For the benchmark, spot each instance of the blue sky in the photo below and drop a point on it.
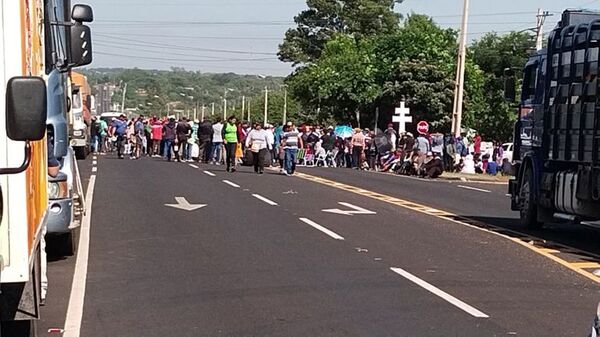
(242, 35)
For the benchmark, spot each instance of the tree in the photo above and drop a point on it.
(325, 18)
(495, 118)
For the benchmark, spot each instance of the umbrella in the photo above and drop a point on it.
(343, 131)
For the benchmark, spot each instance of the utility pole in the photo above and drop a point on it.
(249, 100)
(123, 101)
(460, 76)
(541, 19)
(203, 108)
(266, 104)
(284, 104)
(213, 109)
(243, 105)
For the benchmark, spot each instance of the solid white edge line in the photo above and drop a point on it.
(194, 166)
(444, 295)
(322, 229)
(231, 184)
(77, 297)
(474, 189)
(94, 169)
(210, 173)
(260, 197)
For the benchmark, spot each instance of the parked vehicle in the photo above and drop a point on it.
(80, 118)
(30, 55)
(556, 138)
(508, 151)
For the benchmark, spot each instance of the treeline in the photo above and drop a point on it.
(157, 92)
(356, 56)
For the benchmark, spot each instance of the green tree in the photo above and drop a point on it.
(325, 18)
(493, 53)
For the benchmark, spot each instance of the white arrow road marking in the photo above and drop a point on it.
(260, 197)
(208, 173)
(231, 184)
(356, 210)
(434, 290)
(183, 204)
(322, 229)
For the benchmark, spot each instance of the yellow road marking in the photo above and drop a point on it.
(519, 238)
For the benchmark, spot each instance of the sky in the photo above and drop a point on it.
(242, 36)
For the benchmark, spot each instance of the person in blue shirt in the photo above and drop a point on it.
(119, 127)
(492, 168)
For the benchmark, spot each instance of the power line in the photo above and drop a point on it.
(192, 37)
(175, 59)
(180, 47)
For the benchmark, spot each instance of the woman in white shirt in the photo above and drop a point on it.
(258, 142)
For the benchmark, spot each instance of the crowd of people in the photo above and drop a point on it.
(233, 143)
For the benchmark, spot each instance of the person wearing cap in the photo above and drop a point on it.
(357, 144)
(170, 136)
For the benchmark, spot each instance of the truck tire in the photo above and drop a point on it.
(26, 328)
(80, 152)
(528, 208)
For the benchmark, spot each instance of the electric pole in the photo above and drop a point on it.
(243, 105)
(284, 104)
(249, 100)
(266, 104)
(213, 109)
(541, 19)
(460, 76)
(123, 102)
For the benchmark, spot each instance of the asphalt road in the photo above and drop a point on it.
(262, 258)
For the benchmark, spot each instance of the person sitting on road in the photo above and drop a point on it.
(394, 158)
(433, 166)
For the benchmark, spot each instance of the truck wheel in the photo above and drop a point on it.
(528, 208)
(26, 328)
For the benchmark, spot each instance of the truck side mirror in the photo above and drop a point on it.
(81, 45)
(510, 85)
(82, 13)
(26, 108)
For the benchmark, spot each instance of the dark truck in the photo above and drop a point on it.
(557, 135)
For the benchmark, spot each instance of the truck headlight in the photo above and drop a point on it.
(77, 133)
(58, 190)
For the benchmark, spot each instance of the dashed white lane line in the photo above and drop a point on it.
(260, 197)
(77, 297)
(474, 189)
(94, 169)
(194, 166)
(94, 162)
(444, 295)
(208, 173)
(231, 184)
(322, 229)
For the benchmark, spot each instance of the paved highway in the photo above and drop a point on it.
(328, 253)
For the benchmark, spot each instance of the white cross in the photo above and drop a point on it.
(402, 117)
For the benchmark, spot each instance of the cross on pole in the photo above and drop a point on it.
(402, 117)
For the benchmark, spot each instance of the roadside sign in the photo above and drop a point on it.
(423, 127)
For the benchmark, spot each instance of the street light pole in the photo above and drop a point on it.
(266, 104)
(123, 101)
(284, 104)
(459, 92)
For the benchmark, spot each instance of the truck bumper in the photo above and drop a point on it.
(60, 216)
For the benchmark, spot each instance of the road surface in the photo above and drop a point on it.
(269, 255)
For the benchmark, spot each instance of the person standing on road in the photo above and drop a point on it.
(183, 134)
(258, 142)
(422, 147)
(217, 141)
(205, 137)
(139, 137)
(291, 143)
(358, 146)
(170, 134)
(157, 131)
(230, 138)
(119, 127)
